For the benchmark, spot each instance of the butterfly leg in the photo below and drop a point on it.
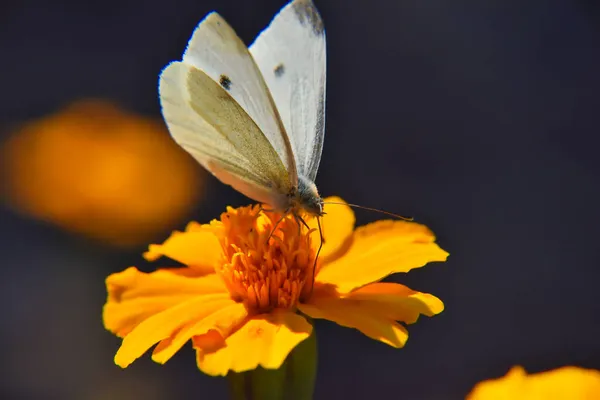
(299, 220)
(277, 224)
(262, 209)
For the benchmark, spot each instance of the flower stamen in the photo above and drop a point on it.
(268, 258)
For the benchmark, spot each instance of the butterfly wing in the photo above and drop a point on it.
(290, 53)
(216, 50)
(209, 124)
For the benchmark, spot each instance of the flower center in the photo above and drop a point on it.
(268, 260)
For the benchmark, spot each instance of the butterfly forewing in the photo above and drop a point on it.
(208, 124)
(290, 53)
(216, 49)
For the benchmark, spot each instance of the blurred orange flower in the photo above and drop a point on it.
(566, 383)
(237, 298)
(100, 171)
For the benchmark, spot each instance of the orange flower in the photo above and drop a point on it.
(94, 160)
(239, 295)
(566, 383)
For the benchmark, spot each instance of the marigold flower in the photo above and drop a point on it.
(239, 295)
(92, 159)
(566, 383)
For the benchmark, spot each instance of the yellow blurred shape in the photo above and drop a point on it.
(566, 383)
(99, 171)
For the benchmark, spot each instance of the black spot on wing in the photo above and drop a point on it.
(307, 14)
(225, 82)
(279, 70)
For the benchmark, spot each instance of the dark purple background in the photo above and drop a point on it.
(480, 119)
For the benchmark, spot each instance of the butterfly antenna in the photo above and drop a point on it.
(314, 271)
(373, 209)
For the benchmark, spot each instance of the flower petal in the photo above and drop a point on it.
(210, 341)
(571, 383)
(349, 313)
(134, 296)
(162, 325)
(197, 248)
(395, 301)
(380, 249)
(337, 225)
(263, 341)
(221, 320)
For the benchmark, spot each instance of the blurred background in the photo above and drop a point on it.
(480, 119)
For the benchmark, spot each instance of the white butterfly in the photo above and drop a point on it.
(254, 117)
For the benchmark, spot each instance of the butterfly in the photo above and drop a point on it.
(254, 116)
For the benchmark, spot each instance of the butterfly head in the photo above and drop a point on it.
(307, 197)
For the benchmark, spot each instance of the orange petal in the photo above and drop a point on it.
(395, 301)
(350, 314)
(380, 249)
(263, 341)
(209, 342)
(337, 226)
(134, 296)
(162, 325)
(197, 248)
(220, 320)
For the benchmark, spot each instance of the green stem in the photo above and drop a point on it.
(302, 369)
(260, 383)
(237, 385)
(294, 380)
(269, 384)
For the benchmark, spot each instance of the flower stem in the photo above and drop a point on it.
(269, 384)
(237, 386)
(294, 380)
(302, 369)
(260, 383)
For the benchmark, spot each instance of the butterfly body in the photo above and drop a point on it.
(306, 198)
